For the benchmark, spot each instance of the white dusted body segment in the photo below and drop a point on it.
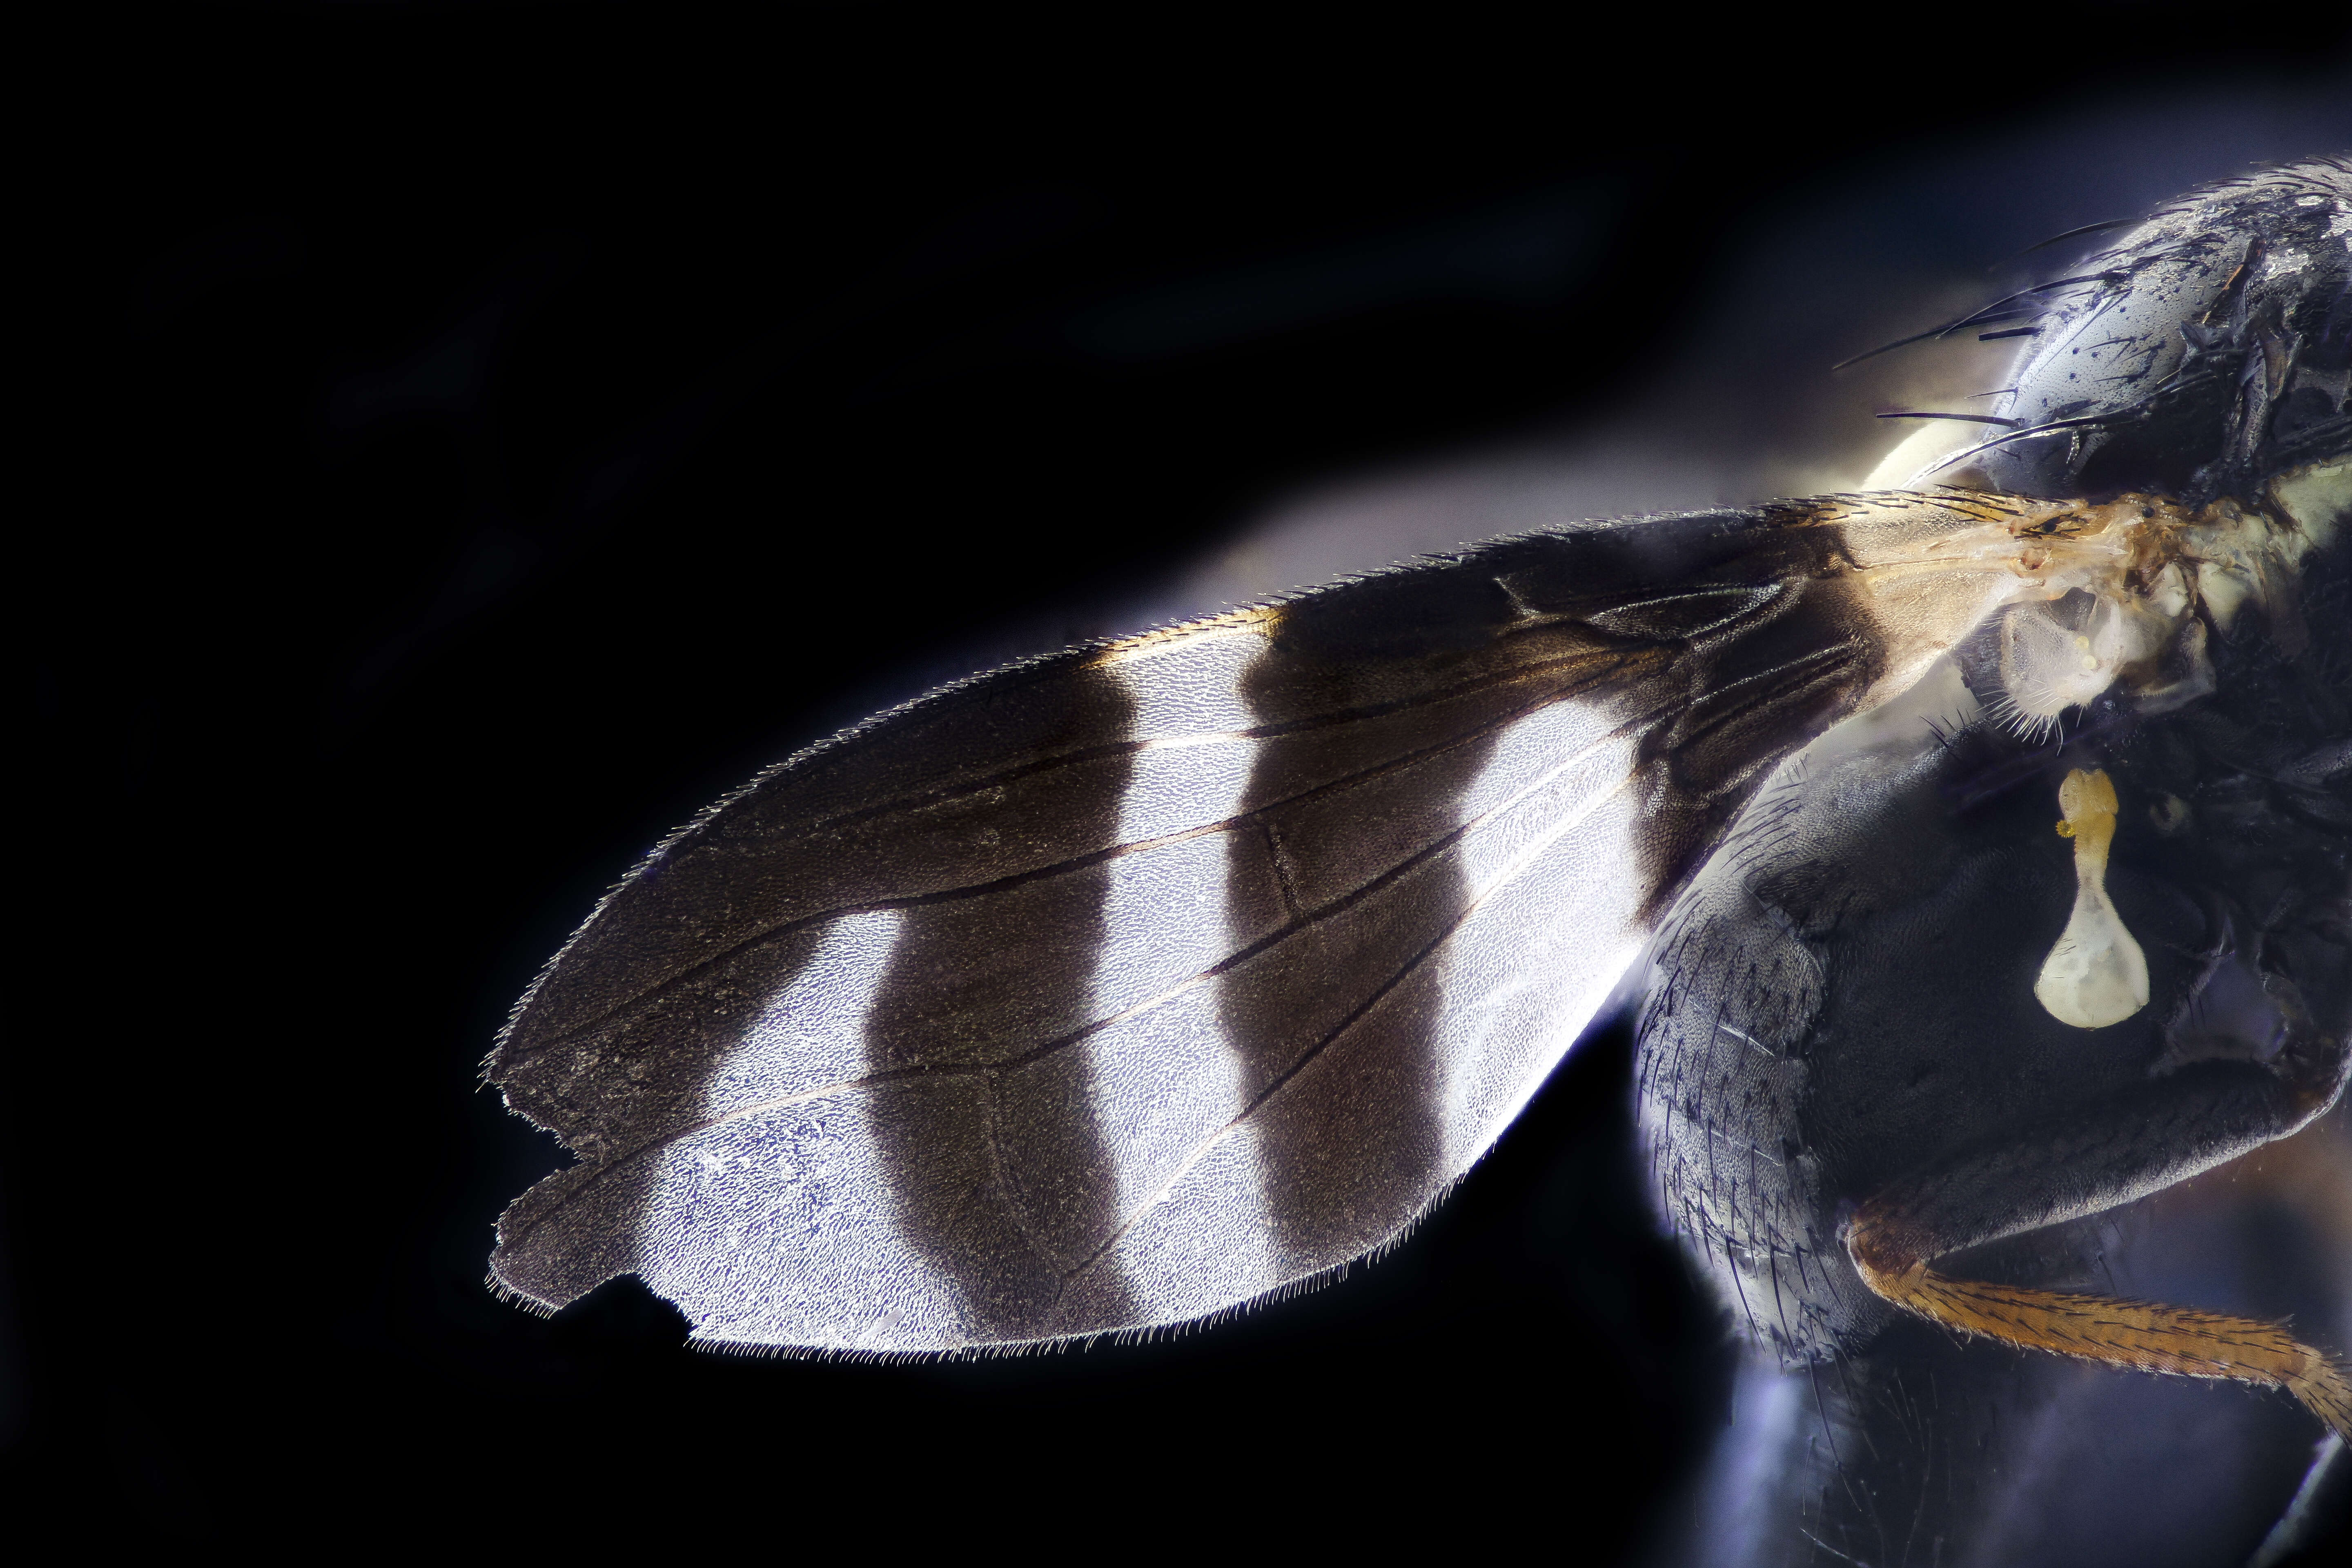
(1128, 985)
(2096, 975)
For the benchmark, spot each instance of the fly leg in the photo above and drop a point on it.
(2165, 1129)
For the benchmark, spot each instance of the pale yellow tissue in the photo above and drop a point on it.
(2096, 975)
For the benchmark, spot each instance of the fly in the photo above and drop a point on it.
(1984, 841)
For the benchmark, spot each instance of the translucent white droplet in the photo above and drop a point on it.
(2096, 975)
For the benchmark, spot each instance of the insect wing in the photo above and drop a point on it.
(1126, 985)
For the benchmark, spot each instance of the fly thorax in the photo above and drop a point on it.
(2122, 599)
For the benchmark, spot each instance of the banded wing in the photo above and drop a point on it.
(1131, 983)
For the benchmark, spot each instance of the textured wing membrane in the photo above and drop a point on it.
(1127, 985)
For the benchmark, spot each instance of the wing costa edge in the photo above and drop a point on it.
(1127, 985)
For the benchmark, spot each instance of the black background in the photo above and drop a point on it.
(493, 433)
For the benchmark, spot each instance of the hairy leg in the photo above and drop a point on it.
(2163, 1131)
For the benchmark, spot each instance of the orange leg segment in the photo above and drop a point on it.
(2141, 1335)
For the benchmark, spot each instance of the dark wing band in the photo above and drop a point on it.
(1127, 985)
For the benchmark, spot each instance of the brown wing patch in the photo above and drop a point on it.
(1329, 873)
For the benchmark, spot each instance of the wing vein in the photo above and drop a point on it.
(1336, 906)
(645, 999)
(998, 779)
(1511, 874)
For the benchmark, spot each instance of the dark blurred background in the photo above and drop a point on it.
(490, 433)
